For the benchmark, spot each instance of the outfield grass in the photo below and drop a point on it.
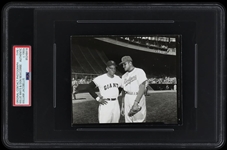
(161, 107)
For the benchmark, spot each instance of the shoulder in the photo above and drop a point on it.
(99, 79)
(139, 70)
(116, 76)
(124, 75)
(100, 76)
(96, 78)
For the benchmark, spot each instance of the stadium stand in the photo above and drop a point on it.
(98, 60)
(158, 43)
(81, 60)
(76, 68)
(91, 61)
(88, 60)
(90, 56)
(84, 61)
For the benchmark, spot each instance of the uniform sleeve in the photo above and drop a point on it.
(91, 90)
(97, 81)
(141, 76)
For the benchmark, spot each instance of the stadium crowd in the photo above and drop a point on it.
(162, 43)
(86, 79)
(165, 80)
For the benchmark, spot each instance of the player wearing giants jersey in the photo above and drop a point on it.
(134, 85)
(108, 84)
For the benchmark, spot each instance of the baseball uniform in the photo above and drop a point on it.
(74, 86)
(108, 88)
(131, 81)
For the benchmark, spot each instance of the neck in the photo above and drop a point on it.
(131, 68)
(109, 75)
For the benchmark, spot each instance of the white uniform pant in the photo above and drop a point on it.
(109, 113)
(138, 117)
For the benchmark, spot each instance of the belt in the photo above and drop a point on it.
(111, 99)
(131, 93)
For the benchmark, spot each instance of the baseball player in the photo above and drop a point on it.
(134, 85)
(108, 85)
(74, 86)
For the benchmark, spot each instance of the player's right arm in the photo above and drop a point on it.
(90, 89)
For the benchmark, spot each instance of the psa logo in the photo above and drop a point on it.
(28, 76)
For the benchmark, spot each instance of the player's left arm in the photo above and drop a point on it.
(142, 84)
(140, 93)
(135, 108)
(142, 79)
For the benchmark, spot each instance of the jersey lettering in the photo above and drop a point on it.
(130, 79)
(115, 85)
(110, 85)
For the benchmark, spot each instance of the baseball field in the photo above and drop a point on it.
(161, 108)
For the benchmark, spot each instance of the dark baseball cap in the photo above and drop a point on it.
(110, 63)
(125, 59)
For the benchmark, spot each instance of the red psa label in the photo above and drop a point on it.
(22, 76)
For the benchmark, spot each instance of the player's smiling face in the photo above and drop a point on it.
(111, 70)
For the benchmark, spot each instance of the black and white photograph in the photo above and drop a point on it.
(125, 79)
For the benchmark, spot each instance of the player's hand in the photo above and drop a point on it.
(135, 109)
(102, 101)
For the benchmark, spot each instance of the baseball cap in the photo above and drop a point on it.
(125, 59)
(110, 63)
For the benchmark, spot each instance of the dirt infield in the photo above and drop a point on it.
(161, 108)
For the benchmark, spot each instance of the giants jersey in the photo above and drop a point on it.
(108, 86)
(132, 80)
